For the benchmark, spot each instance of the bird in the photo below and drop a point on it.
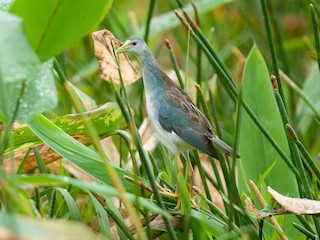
(179, 124)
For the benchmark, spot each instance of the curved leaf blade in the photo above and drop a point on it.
(71, 204)
(76, 153)
(106, 118)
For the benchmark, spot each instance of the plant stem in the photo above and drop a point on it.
(186, 73)
(150, 12)
(305, 231)
(301, 93)
(303, 151)
(175, 64)
(315, 32)
(271, 46)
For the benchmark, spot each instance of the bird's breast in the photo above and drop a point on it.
(169, 139)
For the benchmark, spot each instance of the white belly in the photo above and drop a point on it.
(169, 139)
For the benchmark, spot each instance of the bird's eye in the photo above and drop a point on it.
(134, 43)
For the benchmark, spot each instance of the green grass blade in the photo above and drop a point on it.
(23, 162)
(271, 46)
(102, 216)
(315, 32)
(72, 206)
(52, 204)
(175, 64)
(150, 12)
(41, 165)
(113, 211)
(120, 224)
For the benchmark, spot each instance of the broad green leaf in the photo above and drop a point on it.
(257, 154)
(169, 20)
(53, 25)
(106, 118)
(40, 93)
(17, 59)
(31, 228)
(19, 65)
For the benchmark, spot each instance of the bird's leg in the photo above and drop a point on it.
(180, 170)
(190, 172)
(175, 195)
(191, 176)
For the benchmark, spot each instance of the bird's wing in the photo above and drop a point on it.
(187, 121)
(171, 121)
(183, 106)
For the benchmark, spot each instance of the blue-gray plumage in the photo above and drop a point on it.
(180, 125)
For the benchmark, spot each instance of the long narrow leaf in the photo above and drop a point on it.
(73, 151)
(102, 216)
(72, 206)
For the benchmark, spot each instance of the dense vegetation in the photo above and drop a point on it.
(70, 148)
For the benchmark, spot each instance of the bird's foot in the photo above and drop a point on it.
(167, 193)
(164, 192)
(176, 195)
(193, 194)
(195, 205)
(178, 205)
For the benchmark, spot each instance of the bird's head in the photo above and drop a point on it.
(135, 46)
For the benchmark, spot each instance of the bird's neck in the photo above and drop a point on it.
(152, 76)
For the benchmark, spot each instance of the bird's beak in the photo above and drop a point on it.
(123, 48)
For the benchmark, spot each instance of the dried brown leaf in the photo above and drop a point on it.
(288, 205)
(103, 41)
(47, 154)
(251, 208)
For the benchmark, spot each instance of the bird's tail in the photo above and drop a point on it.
(224, 146)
